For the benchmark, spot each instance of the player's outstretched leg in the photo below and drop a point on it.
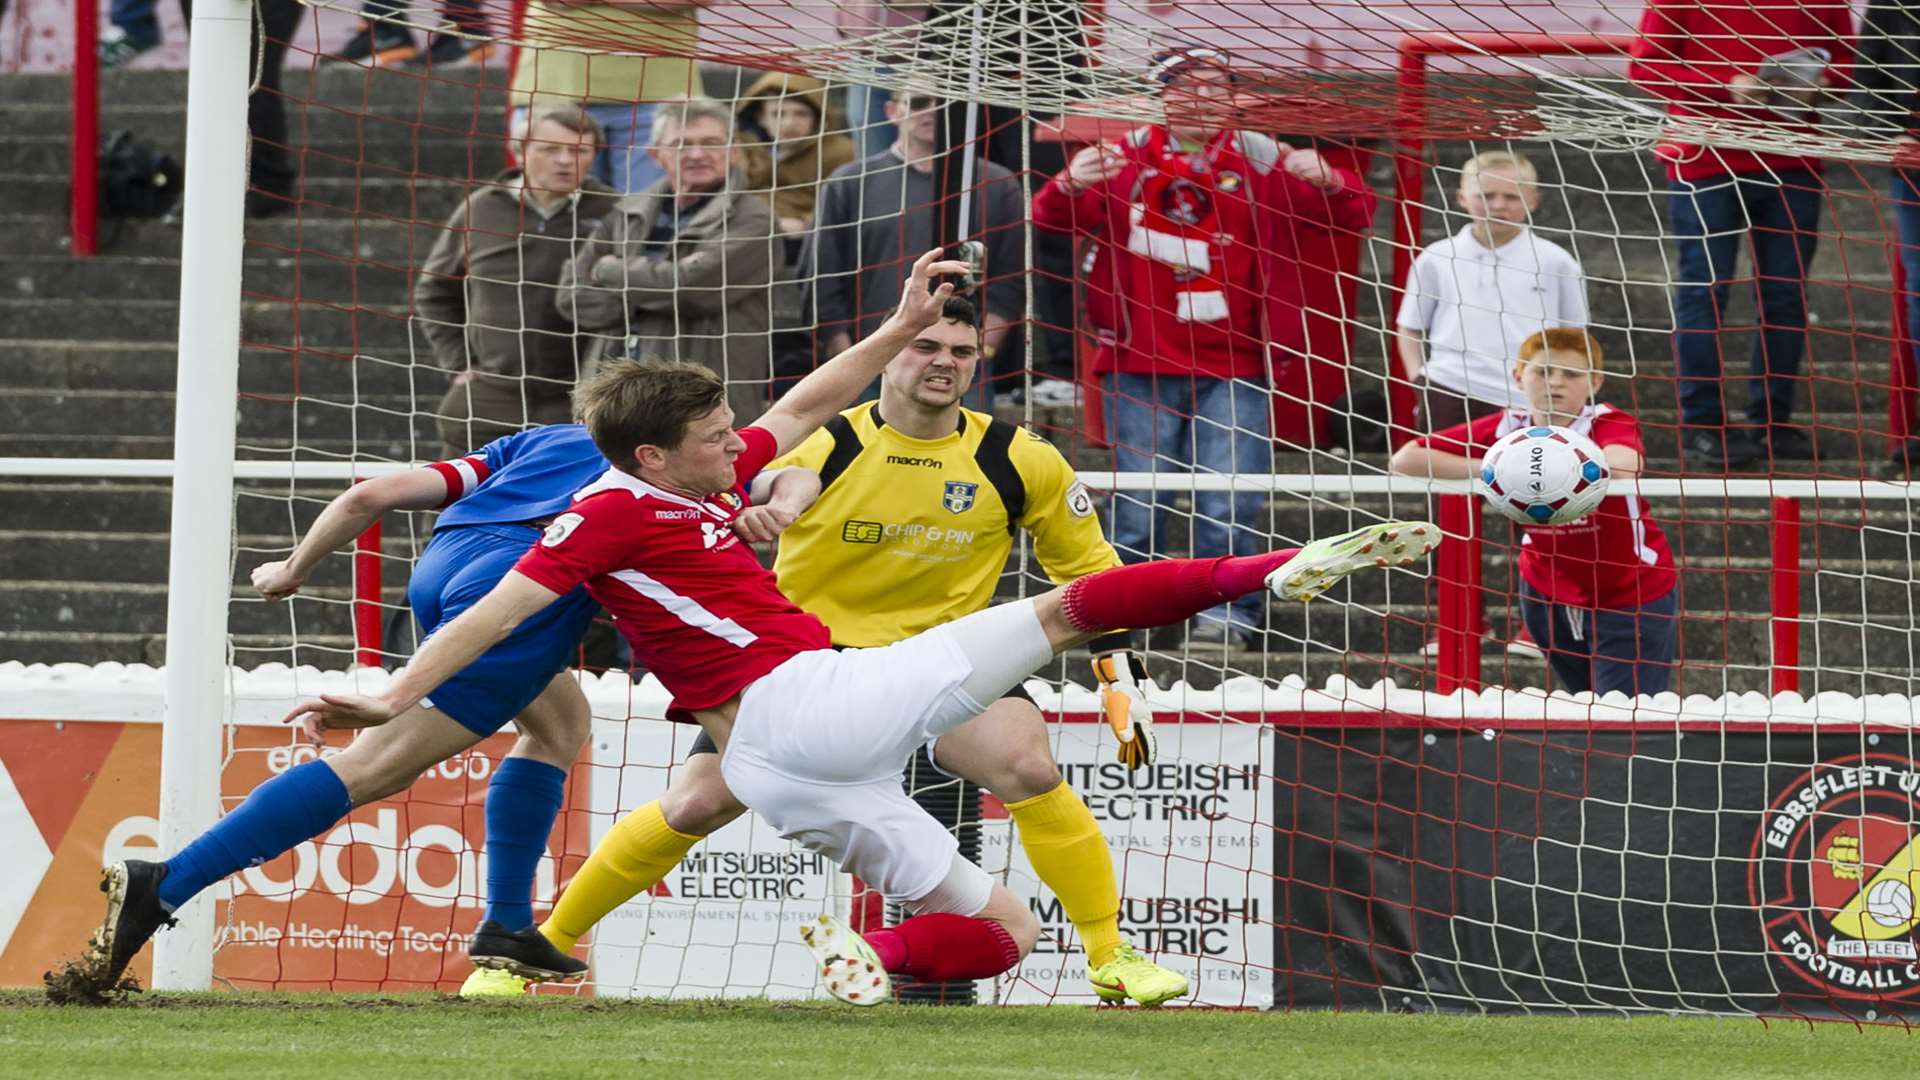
(1007, 642)
(134, 913)
(1318, 565)
(301, 803)
(1171, 590)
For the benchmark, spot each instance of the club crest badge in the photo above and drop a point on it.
(1836, 867)
(959, 496)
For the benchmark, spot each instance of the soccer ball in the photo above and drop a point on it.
(1544, 476)
(1890, 903)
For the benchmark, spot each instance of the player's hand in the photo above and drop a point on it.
(277, 580)
(1121, 676)
(759, 524)
(1094, 164)
(1309, 166)
(338, 712)
(920, 300)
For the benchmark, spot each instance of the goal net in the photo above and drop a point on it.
(1367, 802)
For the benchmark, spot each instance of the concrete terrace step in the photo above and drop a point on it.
(368, 327)
(456, 158)
(375, 196)
(385, 87)
(311, 275)
(370, 238)
(118, 556)
(142, 507)
(148, 367)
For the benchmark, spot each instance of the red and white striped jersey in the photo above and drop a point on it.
(691, 598)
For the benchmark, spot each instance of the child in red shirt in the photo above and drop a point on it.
(1598, 594)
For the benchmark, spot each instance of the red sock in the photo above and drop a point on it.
(1166, 591)
(942, 947)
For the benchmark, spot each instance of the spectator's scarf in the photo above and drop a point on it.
(1176, 221)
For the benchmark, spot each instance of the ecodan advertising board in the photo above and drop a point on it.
(385, 900)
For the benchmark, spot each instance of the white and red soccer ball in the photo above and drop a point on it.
(1544, 475)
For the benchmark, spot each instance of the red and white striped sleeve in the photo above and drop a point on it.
(462, 476)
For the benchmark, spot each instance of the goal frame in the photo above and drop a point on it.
(200, 561)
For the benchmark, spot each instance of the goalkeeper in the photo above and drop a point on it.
(920, 503)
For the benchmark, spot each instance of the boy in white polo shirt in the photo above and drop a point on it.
(1475, 296)
(1472, 298)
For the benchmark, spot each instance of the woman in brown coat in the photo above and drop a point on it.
(789, 142)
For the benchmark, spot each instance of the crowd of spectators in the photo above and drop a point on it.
(761, 234)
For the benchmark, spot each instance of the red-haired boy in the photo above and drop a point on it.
(1598, 594)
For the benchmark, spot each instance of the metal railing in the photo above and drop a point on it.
(1457, 564)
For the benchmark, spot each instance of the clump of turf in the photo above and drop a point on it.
(80, 982)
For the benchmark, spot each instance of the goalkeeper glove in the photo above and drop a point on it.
(1121, 676)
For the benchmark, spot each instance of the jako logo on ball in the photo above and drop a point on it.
(1544, 476)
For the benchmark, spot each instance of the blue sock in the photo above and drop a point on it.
(297, 805)
(522, 801)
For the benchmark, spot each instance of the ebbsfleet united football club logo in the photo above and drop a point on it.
(1835, 871)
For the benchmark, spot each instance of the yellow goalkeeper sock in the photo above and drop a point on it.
(1070, 854)
(635, 854)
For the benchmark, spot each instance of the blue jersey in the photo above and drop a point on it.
(529, 476)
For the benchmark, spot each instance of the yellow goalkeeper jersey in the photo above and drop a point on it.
(911, 533)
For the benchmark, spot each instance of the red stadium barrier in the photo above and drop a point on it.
(83, 199)
(1410, 151)
(367, 574)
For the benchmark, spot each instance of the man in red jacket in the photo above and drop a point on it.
(1751, 61)
(1195, 288)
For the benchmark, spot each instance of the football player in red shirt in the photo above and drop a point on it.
(812, 739)
(1598, 594)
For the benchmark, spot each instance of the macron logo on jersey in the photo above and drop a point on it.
(922, 462)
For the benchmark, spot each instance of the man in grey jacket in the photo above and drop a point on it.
(484, 298)
(681, 271)
(876, 215)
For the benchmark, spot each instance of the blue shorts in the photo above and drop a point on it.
(1605, 650)
(461, 565)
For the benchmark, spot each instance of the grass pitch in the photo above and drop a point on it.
(422, 1036)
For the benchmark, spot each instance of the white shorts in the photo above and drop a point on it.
(820, 745)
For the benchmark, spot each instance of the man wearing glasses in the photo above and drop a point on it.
(680, 270)
(876, 215)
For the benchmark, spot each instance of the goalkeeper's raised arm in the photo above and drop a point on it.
(835, 384)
